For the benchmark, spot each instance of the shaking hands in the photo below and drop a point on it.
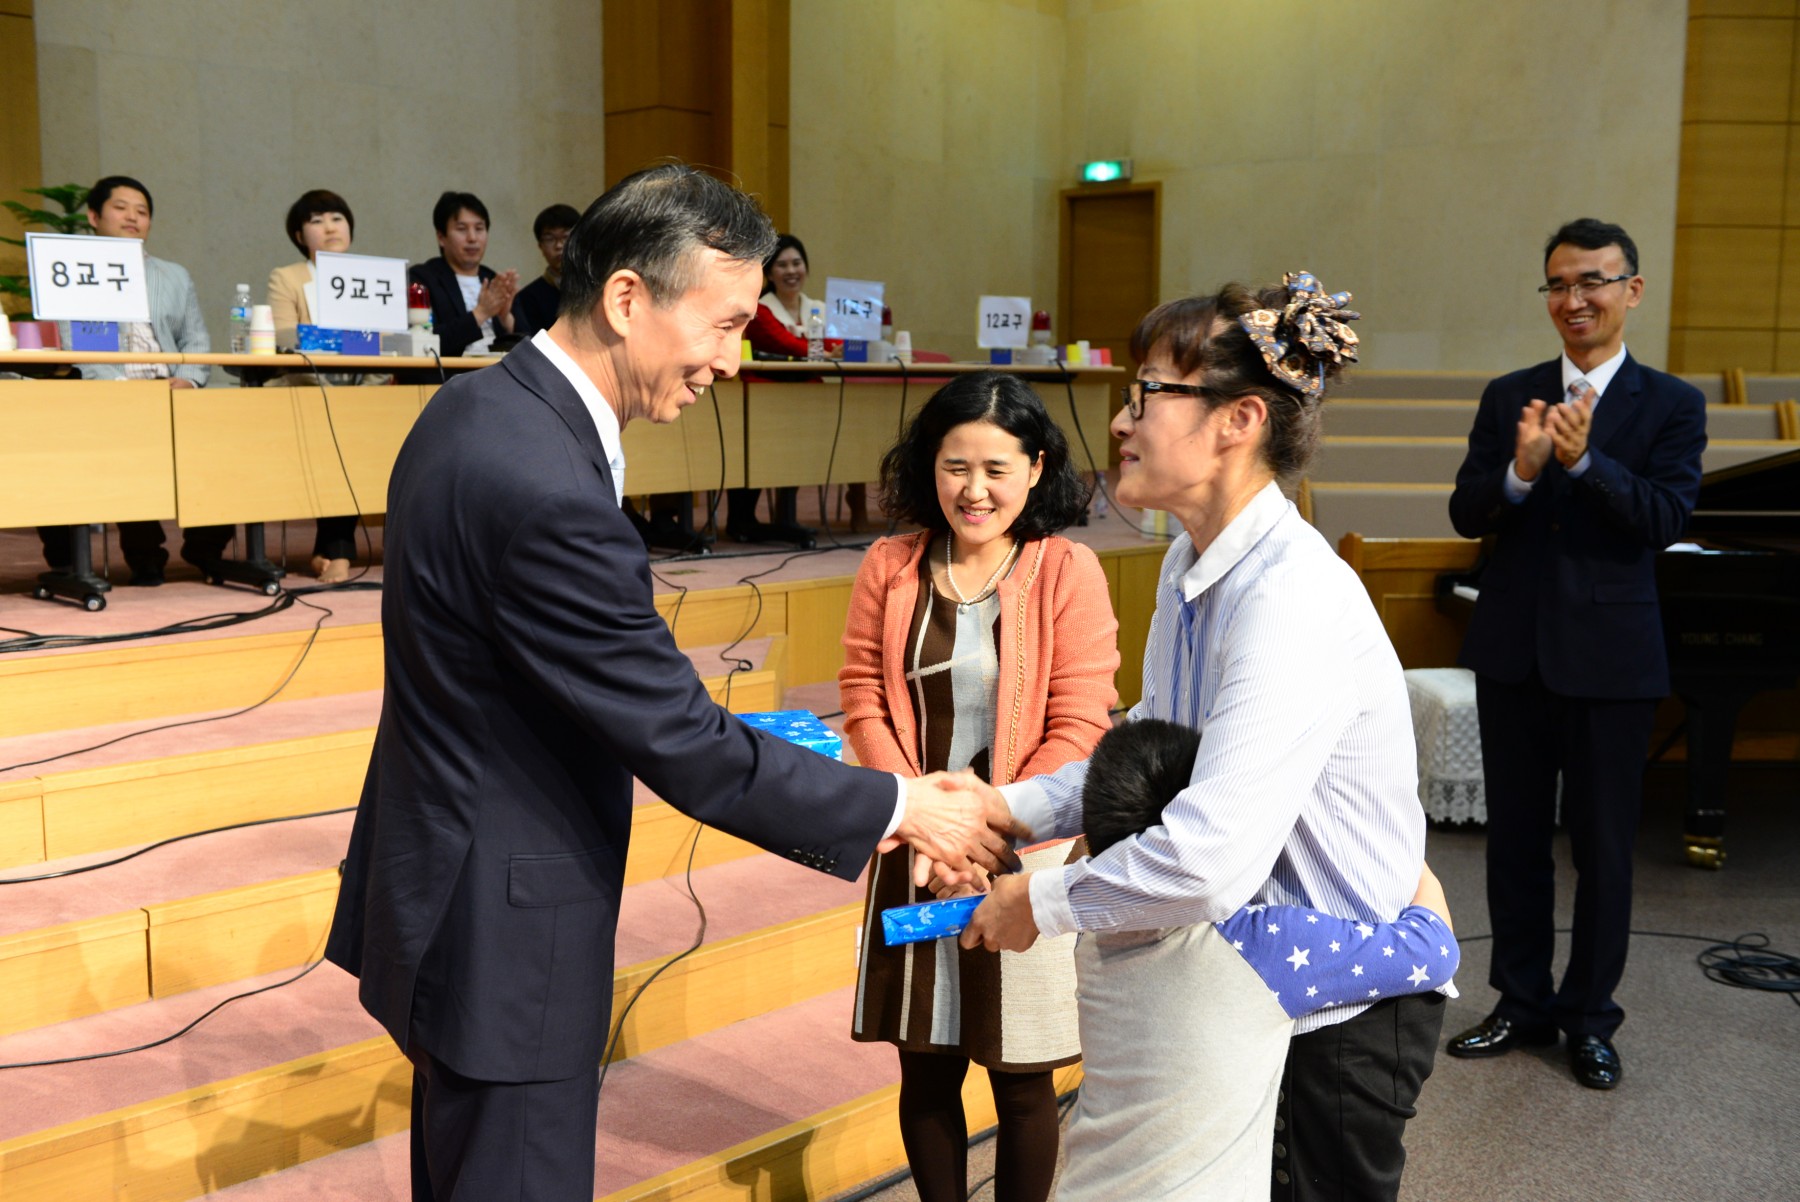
(958, 825)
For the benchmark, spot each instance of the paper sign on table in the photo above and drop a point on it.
(1003, 321)
(84, 277)
(360, 292)
(853, 309)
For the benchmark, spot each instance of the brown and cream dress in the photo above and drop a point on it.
(1011, 1011)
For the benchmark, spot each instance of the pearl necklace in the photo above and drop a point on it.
(950, 573)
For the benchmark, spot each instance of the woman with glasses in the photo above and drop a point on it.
(985, 642)
(1303, 793)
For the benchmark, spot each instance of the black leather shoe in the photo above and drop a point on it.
(146, 579)
(1595, 1062)
(1495, 1036)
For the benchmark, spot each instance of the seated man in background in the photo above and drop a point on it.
(1184, 1030)
(120, 207)
(471, 304)
(534, 308)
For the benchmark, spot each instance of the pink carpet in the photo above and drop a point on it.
(321, 1011)
(659, 1111)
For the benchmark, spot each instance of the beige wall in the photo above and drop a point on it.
(229, 112)
(927, 151)
(1400, 149)
(1416, 152)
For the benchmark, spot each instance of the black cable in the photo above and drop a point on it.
(1746, 962)
(331, 425)
(157, 1043)
(612, 1045)
(33, 641)
(1093, 464)
(311, 638)
(831, 462)
(132, 855)
(443, 376)
(899, 430)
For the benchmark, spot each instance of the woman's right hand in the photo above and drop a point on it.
(1430, 894)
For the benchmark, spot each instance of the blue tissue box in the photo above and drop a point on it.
(318, 340)
(801, 727)
(928, 920)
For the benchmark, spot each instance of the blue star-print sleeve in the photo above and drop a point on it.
(1312, 960)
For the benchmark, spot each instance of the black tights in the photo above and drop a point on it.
(936, 1133)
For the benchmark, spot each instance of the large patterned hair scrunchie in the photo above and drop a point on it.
(1297, 341)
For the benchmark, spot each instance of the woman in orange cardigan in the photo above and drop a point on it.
(987, 642)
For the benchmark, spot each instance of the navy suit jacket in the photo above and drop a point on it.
(529, 678)
(452, 320)
(1570, 582)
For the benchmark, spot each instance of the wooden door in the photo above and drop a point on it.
(1109, 270)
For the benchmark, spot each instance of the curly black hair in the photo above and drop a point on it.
(909, 469)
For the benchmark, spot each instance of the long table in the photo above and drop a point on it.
(79, 451)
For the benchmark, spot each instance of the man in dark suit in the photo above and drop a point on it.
(1579, 470)
(471, 303)
(529, 678)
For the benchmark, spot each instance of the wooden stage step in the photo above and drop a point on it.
(706, 1121)
(289, 1074)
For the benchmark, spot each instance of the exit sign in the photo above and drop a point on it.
(1106, 171)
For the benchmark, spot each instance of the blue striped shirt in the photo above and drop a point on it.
(1304, 791)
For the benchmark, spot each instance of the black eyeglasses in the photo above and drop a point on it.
(1558, 289)
(1137, 392)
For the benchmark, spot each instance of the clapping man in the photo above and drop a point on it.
(1580, 469)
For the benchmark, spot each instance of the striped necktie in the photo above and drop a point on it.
(1577, 387)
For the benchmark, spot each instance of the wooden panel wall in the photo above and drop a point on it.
(20, 162)
(1737, 241)
(704, 81)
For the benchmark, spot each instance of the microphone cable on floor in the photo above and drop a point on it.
(160, 843)
(1747, 962)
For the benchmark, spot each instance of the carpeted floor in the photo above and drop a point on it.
(1709, 1110)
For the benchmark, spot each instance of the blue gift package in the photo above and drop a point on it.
(928, 920)
(801, 727)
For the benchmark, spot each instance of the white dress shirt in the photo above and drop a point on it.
(607, 423)
(1305, 789)
(605, 420)
(1516, 489)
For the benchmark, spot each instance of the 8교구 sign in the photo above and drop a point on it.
(87, 278)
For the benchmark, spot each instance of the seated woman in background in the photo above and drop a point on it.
(987, 642)
(779, 329)
(319, 220)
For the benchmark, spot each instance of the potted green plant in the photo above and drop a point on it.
(73, 219)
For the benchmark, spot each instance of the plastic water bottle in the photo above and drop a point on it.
(815, 333)
(240, 321)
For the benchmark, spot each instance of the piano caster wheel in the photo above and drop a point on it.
(1705, 852)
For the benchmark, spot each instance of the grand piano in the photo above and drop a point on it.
(1730, 599)
(1731, 618)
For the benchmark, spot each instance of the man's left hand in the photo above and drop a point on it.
(1004, 922)
(1569, 425)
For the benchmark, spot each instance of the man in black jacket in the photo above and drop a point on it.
(1581, 469)
(529, 678)
(471, 304)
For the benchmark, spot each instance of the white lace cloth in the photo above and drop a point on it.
(1449, 741)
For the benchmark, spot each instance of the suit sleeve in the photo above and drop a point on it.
(284, 303)
(862, 691)
(1082, 666)
(1478, 505)
(1653, 505)
(190, 332)
(574, 614)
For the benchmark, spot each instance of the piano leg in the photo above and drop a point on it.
(1711, 730)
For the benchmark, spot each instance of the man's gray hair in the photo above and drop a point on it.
(655, 223)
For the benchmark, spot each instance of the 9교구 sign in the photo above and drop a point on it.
(84, 277)
(853, 309)
(359, 292)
